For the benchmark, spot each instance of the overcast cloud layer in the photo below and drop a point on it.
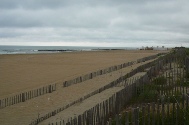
(94, 22)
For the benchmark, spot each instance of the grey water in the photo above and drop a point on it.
(52, 49)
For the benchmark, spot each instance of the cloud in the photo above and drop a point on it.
(112, 22)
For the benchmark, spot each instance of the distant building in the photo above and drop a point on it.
(154, 48)
(149, 48)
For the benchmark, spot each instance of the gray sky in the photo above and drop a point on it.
(132, 23)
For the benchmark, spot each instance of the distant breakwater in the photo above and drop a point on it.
(79, 50)
(55, 50)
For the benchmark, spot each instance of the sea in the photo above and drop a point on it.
(54, 49)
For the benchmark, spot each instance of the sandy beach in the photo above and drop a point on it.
(22, 72)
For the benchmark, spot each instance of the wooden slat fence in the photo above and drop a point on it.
(107, 70)
(161, 112)
(130, 89)
(24, 96)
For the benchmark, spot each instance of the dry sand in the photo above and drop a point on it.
(79, 108)
(22, 72)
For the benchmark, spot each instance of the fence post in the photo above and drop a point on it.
(183, 99)
(149, 114)
(23, 97)
(18, 97)
(153, 113)
(137, 116)
(13, 100)
(143, 115)
(158, 112)
(79, 120)
(90, 117)
(117, 120)
(168, 109)
(163, 109)
(177, 112)
(133, 116)
(173, 112)
(187, 98)
(5, 102)
(75, 121)
(187, 108)
(126, 118)
(91, 75)
(50, 90)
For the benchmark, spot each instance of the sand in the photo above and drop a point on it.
(81, 107)
(23, 72)
(27, 71)
(29, 110)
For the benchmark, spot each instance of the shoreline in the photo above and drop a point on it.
(7, 50)
(54, 49)
(72, 51)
